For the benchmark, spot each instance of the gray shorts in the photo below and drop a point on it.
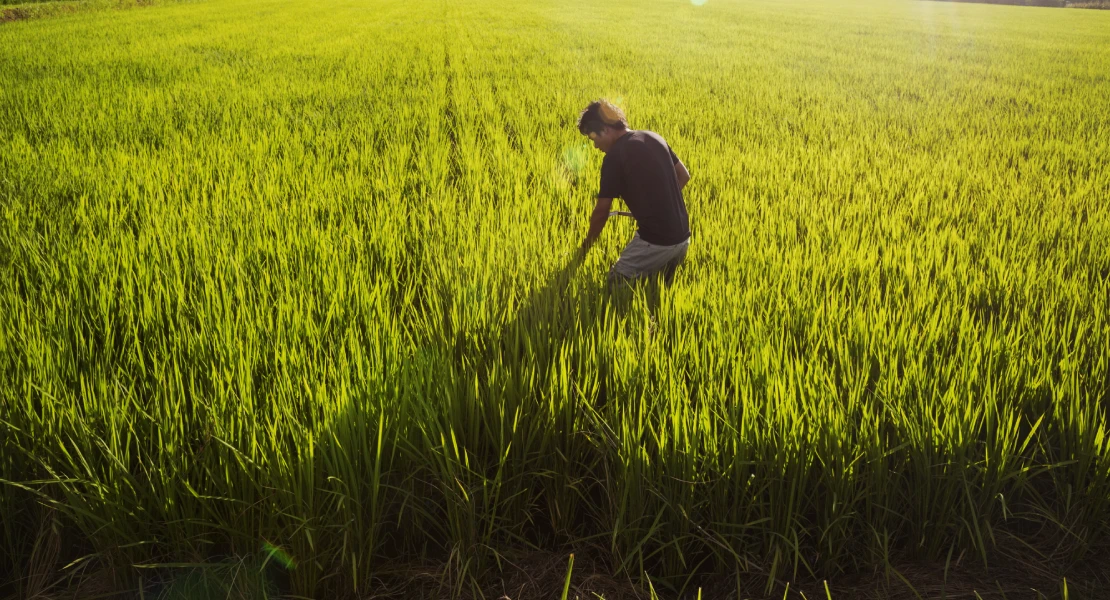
(641, 259)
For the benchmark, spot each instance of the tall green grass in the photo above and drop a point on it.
(301, 275)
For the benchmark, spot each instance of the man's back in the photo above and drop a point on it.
(640, 169)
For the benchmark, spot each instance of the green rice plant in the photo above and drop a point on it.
(304, 276)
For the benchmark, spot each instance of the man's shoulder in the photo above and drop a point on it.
(648, 140)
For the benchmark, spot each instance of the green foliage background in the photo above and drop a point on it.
(301, 273)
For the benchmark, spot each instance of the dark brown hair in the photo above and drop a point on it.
(599, 114)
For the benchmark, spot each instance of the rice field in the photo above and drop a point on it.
(300, 277)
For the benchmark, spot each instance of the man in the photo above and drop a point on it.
(640, 168)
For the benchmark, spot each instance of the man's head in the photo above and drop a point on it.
(603, 123)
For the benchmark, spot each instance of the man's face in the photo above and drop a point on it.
(604, 139)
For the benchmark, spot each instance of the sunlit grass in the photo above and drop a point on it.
(300, 274)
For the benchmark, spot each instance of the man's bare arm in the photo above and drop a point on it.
(682, 174)
(597, 221)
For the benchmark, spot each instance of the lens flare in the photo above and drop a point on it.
(575, 156)
(281, 556)
(570, 163)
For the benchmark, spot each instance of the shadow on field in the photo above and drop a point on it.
(558, 310)
(550, 315)
(557, 319)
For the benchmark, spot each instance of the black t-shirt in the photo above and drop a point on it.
(639, 168)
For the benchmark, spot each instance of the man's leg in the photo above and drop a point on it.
(634, 261)
(673, 264)
(640, 259)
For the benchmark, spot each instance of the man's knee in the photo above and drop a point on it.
(616, 279)
(669, 270)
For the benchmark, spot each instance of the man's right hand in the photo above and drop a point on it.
(597, 221)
